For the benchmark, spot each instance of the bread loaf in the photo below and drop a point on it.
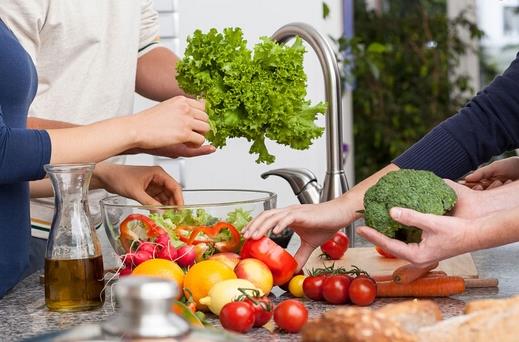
(414, 314)
(494, 324)
(484, 304)
(356, 325)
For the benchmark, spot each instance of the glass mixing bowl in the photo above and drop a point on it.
(218, 203)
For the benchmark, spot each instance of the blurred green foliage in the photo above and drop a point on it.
(401, 63)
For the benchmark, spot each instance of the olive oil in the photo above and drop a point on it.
(74, 284)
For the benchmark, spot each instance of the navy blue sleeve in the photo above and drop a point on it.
(487, 126)
(23, 152)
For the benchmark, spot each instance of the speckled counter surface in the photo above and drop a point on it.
(23, 312)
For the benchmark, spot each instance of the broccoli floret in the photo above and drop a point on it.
(422, 191)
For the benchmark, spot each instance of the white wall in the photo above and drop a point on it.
(233, 167)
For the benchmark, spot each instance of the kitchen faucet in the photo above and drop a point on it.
(302, 181)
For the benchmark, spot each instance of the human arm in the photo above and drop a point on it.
(156, 75)
(495, 174)
(487, 126)
(156, 66)
(149, 185)
(315, 223)
(446, 236)
(176, 121)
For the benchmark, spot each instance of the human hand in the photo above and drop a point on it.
(175, 151)
(149, 185)
(491, 176)
(179, 120)
(442, 237)
(314, 223)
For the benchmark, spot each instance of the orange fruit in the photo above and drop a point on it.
(202, 276)
(161, 268)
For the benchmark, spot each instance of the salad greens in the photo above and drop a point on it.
(171, 219)
(251, 94)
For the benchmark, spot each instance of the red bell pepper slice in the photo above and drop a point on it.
(127, 236)
(231, 245)
(281, 263)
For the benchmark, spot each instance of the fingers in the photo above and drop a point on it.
(199, 115)
(257, 227)
(200, 126)
(198, 104)
(458, 188)
(302, 254)
(484, 172)
(170, 186)
(495, 184)
(199, 151)
(143, 198)
(395, 247)
(413, 218)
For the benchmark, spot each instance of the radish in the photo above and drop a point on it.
(128, 259)
(141, 256)
(125, 271)
(162, 240)
(168, 253)
(186, 256)
(149, 247)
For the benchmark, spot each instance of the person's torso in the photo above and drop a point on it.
(87, 60)
(18, 82)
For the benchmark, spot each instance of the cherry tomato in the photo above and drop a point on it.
(363, 291)
(295, 286)
(384, 253)
(336, 247)
(285, 285)
(335, 289)
(313, 287)
(237, 316)
(263, 310)
(290, 315)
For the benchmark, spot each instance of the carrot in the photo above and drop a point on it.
(408, 273)
(387, 277)
(422, 287)
(382, 277)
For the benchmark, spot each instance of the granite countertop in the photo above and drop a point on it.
(23, 312)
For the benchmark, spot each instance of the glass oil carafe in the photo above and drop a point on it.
(74, 275)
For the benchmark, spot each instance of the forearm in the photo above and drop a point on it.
(43, 187)
(352, 201)
(156, 75)
(95, 142)
(38, 123)
(497, 229)
(502, 198)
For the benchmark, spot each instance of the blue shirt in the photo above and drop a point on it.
(23, 152)
(487, 126)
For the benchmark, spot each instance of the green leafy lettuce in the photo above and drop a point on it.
(255, 94)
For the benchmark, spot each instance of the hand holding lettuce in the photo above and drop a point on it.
(251, 94)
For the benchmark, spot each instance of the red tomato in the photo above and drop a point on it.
(363, 291)
(336, 246)
(263, 310)
(384, 253)
(313, 287)
(335, 289)
(237, 316)
(290, 315)
(279, 261)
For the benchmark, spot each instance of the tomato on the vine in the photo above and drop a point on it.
(237, 316)
(313, 287)
(290, 315)
(363, 291)
(263, 310)
(335, 247)
(336, 289)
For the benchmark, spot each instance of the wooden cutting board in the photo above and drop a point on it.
(369, 260)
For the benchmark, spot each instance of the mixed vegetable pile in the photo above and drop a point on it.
(254, 94)
(219, 272)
